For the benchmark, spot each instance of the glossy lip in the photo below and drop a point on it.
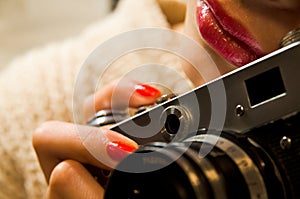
(229, 38)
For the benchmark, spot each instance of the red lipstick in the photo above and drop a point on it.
(229, 38)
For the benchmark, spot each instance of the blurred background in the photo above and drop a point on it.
(25, 24)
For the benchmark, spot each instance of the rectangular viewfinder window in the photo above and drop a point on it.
(265, 87)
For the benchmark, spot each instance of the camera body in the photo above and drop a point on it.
(235, 137)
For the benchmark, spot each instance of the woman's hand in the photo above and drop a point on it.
(61, 147)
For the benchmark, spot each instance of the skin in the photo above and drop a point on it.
(267, 21)
(61, 152)
(61, 160)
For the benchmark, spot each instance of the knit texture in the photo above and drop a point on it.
(39, 86)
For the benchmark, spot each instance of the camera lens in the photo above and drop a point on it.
(162, 176)
(203, 166)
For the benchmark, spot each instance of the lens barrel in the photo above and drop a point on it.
(203, 166)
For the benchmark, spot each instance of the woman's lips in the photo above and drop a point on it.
(226, 36)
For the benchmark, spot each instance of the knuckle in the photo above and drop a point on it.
(45, 127)
(62, 175)
(39, 136)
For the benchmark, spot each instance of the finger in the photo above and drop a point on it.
(119, 95)
(70, 179)
(58, 141)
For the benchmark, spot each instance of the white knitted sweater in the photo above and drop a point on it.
(39, 86)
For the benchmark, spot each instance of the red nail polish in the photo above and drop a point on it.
(118, 150)
(146, 90)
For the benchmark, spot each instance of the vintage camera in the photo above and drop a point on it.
(235, 137)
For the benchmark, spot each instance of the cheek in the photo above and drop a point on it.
(269, 30)
(285, 4)
(266, 22)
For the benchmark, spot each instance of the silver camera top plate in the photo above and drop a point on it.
(258, 93)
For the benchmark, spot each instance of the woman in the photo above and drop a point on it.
(234, 32)
(38, 86)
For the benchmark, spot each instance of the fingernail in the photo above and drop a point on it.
(118, 150)
(146, 90)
